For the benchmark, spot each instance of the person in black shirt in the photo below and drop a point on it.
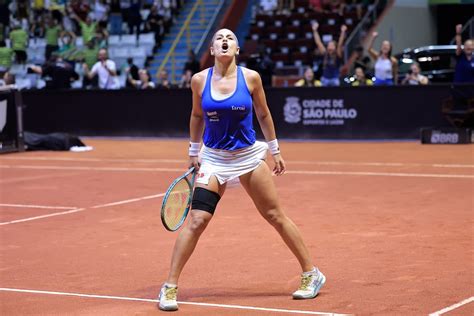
(154, 23)
(192, 64)
(132, 73)
(60, 73)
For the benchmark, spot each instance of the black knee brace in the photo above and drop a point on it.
(205, 200)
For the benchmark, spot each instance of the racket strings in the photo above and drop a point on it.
(176, 204)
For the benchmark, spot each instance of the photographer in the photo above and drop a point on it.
(414, 77)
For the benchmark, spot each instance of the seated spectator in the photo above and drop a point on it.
(163, 81)
(7, 79)
(105, 70)
(332, 56)
(286, 6)
(464, 71)
(308, 80)
(6, 57)
(19, 42)
(192, 64)
(185, 82)
(360, 78)
(155, 23)
(268, 6)
(131, 71)
(144, 81)
(52, 33)
(414, 77)
(59, 74)
(386, 66)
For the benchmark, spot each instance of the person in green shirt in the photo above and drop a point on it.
(6, 56)
(52, 34)
(88, 27)
(19, 42)
(68, 50)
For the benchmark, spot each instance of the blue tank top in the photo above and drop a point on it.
(229, 123)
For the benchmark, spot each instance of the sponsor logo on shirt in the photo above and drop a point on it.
(213, 117)
(238, 108)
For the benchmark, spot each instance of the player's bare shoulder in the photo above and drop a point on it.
(198, 80)
(252, 78)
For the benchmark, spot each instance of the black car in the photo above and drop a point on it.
(437, 62)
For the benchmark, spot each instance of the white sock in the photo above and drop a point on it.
(314, 271)
(170, 285)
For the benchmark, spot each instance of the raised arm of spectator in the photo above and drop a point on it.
(317, 39)
(458, 39)
(90, 74)
(340, 43)
(372, 52)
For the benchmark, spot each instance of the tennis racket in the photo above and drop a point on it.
(177, 201)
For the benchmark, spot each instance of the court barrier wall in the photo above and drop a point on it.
(300, 113)
(11, 121)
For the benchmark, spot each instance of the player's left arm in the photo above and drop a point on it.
(264, 116)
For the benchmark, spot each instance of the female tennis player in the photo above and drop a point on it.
(223, 98)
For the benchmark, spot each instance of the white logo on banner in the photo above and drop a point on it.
(292, 110)
(317, 111)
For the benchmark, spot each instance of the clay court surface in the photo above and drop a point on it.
(390, 224)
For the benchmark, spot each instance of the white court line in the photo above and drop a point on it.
(302, 162)
(454, 306)
(307, 172)
(130, 200)
(123, 298)
(382, 174)
(42, 216)
(39, 206)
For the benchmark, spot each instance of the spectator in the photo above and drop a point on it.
(464, 71)
(361, 60)
(37, 28)
(134, 17)
(332, 56)
(52, 34)
(115, 17)
(6, 56)
(286, 6)
(88, 27)
(132, 73)
(386, 66)
(185, 82)
(60, 73)
(144, 81)
(154, 23)
(89, 56)
(101, 12)
(192, 64)
(7, 79)
(105, 70)
(360, 78)
(19, 42)
(163, 81)
(4, 18)
(308, 80)
(68, 50)
(268, 6)
(414, 77)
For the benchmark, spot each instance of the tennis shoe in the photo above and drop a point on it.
(311, 283)
(167, 298)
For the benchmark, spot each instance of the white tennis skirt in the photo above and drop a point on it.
(229, 165)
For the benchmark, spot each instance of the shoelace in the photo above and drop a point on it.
(170, 293)
(305, 281)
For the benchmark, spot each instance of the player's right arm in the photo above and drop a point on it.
(196, 122)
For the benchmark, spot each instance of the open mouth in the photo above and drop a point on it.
(225, 47)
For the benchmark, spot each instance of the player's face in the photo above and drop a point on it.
(224, 44)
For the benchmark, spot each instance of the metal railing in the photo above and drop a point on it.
(359, 33)
(184, 31)
(466, 32)
(209, 26)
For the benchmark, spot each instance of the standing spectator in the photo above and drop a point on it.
(105, 70)
(88, 27)
(68, 50)
(414, 77)
(185, 82)
(192, 64)
(144, 81)
(101, 12)
(386, 66)
(6, 56)
(360, 78)
(19, 42)
(154, 23)
(61, 73)
(4, 18)
(332, 56)
(134, 18)
(89, 57)
(132, 73)
(308, 79)
(115, 18)
(361, 60)
(464, 71)
(37, 28)
(52, 34)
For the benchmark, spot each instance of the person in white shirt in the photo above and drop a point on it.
(414, 77)
(105, 69)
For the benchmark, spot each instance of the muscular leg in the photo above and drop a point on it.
(189, 235)
(260, 187)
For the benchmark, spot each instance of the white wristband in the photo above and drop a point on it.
(194, 149)
(273, 147)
